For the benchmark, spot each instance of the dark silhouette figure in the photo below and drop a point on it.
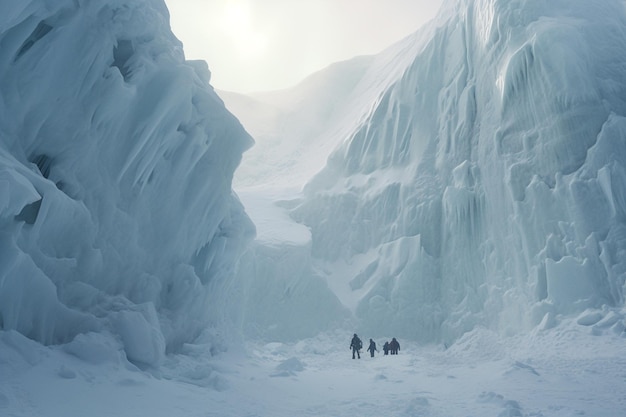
(372, 348)
(386, 348)
(356, 345)
(394, 346)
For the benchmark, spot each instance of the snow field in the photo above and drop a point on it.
(559, 372)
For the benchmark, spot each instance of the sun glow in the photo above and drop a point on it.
(238, 24)
(260, 45)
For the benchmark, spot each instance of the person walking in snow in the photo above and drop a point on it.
(372, 348)
(356, 345)
(386, 348)
(394, 346)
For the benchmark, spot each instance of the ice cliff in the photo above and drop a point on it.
(116, 161)
(484, 181)
(487, 184)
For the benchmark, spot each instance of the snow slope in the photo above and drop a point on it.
(287, 124)
(116, 161)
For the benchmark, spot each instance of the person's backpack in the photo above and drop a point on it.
(359, 344)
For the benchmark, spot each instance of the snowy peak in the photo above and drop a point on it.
(117, 161)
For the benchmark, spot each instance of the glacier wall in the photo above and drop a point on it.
(486, 185)
(116, 208)
(278, 295)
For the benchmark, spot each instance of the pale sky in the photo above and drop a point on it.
(259, 45)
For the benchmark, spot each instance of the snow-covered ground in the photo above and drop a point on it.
(571, 370)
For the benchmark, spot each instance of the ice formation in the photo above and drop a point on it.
(116, 208)
(483, 183)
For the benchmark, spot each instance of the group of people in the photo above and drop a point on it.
(388, 348)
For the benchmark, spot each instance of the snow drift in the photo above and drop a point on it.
(116, 207)
(483, 183)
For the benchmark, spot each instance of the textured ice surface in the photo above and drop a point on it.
(483, 183)
(116, 162)
(499, 154)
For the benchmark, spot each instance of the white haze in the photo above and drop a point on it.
(462, 191)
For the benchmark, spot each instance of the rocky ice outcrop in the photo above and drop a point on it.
(116, 161)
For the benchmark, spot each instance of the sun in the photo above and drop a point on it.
(237, 22)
